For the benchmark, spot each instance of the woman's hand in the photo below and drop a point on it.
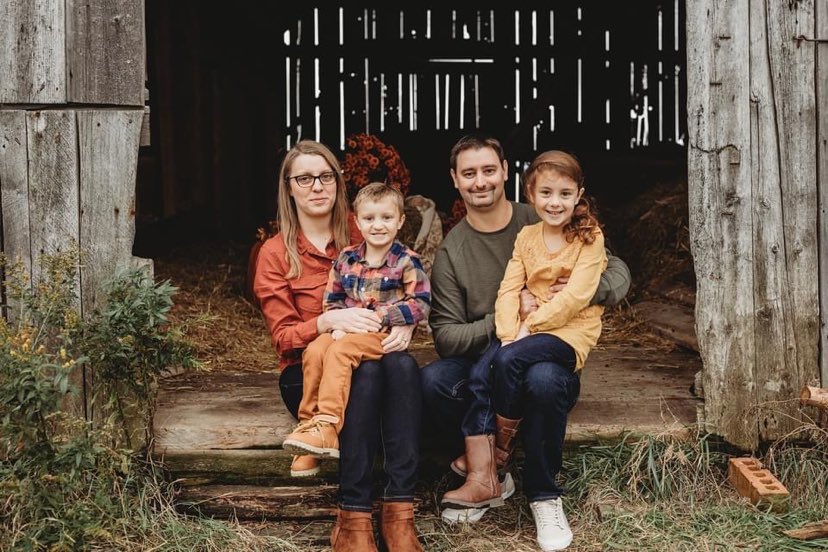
(351, 320)
(398, 338)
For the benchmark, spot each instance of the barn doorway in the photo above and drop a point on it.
(230, 90)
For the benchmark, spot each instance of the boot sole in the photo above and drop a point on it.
(460, 504)
(298, 447)
(304, 473)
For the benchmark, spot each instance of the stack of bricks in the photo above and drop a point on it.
(756, 483)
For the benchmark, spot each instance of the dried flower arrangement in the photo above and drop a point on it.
(368, 159)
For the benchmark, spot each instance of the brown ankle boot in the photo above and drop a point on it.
(353, 532)
(482, 486)
(397, 527)
(505, 440)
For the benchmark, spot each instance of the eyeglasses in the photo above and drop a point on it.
(307, 180)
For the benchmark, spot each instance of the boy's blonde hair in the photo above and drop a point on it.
(376, 191)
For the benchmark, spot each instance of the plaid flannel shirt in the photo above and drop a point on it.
(398, 290)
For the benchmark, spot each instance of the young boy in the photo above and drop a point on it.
(379, 274)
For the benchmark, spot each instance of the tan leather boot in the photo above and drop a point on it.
(353, 532)
(397, 527)
(505, 440)
(482, 486)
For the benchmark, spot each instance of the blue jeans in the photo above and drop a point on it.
(384, 410)
(540, 392)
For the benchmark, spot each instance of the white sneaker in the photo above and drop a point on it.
(470, 515)
(553, 529)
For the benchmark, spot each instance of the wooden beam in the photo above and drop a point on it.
(721, 211)
(33, 64)
(814, 396)
(14, 190)
(821, 31)
(106, 51)
(810, 531)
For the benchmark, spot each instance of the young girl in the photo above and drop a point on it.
(559, 333)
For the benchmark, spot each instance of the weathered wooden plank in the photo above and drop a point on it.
(243, 410)
(246, 502)
(52, 140)
(33, 64)
(105, 51)
(720, 211)
(821, 30)
(240, 465)
(220, 411)
(53, 183)
(108, 155)
(14, 190)
(783, 124)
(674, 322)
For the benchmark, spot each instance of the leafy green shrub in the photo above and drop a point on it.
(67, 482)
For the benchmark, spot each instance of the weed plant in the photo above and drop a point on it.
(72, 483)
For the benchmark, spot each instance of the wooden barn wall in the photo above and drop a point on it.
(71, 109)
(752, 166)
(232, 89)
(822, 179)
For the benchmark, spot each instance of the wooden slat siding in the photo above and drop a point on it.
(785, 212)
(821, 31)
(105, 51)
(165, 103)
(52, 142)
(720, 211)
(33, 64)
(108, 161)
(14, 193)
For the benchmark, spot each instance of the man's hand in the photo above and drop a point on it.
(558, 285)
(528, 304)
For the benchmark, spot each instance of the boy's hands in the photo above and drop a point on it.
(337, 335)
(350, 320)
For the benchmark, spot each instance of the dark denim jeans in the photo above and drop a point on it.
(541, 392)
(384, 410)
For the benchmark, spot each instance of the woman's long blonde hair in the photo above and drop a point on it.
(287, 219)
(583, 223)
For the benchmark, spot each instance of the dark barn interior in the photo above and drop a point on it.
(231, 89)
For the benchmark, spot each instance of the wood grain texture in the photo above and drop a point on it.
(785, 250)
(33, 64)
(14, 190)
(821, 30)
(54, 202)
(721, 211)
(106, 51)
(108, 141)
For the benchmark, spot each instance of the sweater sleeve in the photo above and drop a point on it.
(507, 306)
(287, 328)
(615, 282)
(416, 303)
(454, 335)
(577, 294)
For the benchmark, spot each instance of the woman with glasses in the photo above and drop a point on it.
(314, 223)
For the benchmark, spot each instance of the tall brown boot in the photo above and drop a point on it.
(505, 440)
(397, 527)
(353, 532)
(482, 486)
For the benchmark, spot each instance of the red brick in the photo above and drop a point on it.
(751, 480)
